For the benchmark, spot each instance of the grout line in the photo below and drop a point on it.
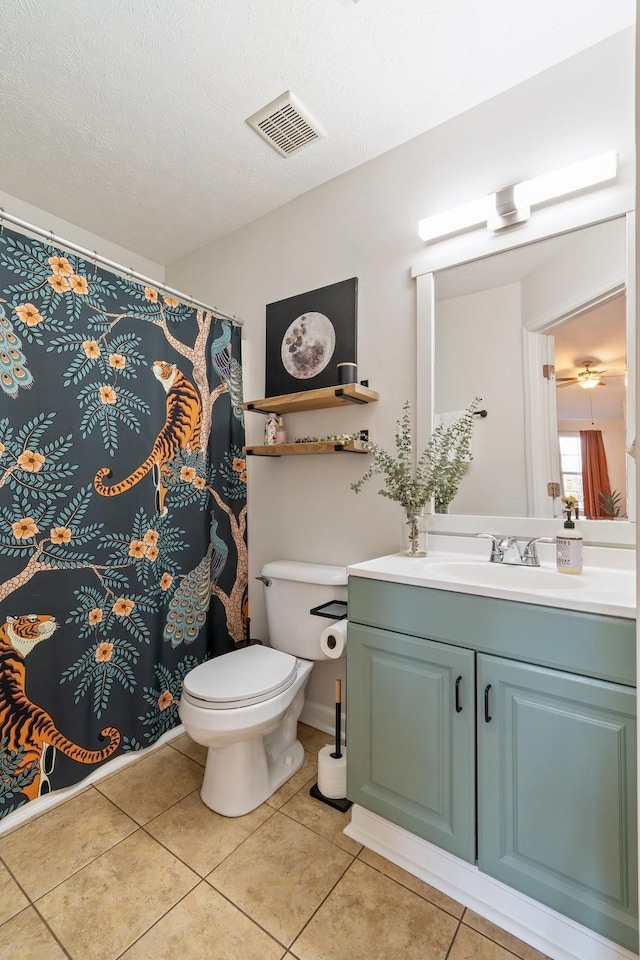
(51, 931)
(405, 887)
(323, 901)
(453, 940)
(517, 956)
(244, 913)
(31, 905)
(156, 922)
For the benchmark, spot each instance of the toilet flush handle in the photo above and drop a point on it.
(265, 580)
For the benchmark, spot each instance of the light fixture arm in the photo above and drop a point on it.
(507, 211)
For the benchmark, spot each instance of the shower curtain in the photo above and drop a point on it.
(123, 556)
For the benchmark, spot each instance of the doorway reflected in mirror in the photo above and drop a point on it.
(526, 329)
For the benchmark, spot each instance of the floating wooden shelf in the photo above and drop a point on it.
(306, 449)
(313, 400)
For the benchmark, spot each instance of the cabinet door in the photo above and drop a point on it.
(557, 792)
(411, 734)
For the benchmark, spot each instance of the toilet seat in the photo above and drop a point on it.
(242, 677)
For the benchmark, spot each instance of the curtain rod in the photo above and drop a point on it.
(121, 268)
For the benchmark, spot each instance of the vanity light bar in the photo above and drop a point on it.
(512, 204)
(577, 176)
(468, 215)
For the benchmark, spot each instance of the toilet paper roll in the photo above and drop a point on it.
(333, 640)
(332, 773)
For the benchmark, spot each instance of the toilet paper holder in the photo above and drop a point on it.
(331, 609)
(338, 802)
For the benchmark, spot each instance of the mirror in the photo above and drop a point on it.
(527, 329)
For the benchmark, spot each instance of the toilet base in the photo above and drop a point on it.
(252, 750)
(249, 778)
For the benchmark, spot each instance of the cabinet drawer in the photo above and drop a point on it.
(584, 643)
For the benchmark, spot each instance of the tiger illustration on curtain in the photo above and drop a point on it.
(24, 725)
(181, 431)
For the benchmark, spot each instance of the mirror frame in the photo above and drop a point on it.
(479, 244)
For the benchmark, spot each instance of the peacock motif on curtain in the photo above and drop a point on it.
(13, 363)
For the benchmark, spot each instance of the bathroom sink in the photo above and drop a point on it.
(511, 576)
(609, 590)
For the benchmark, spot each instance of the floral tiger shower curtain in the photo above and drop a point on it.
(123, 557)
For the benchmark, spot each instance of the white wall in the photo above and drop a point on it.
(84, 238)
(364, 224)
(592, 262)
(478, 349)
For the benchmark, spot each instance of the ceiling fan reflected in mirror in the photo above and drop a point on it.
(586, 378)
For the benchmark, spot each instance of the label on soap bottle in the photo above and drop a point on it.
(569, 554)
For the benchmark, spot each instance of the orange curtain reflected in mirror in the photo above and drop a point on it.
(595, 475)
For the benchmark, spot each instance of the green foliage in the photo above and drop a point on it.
(12, 782)
(46, 481)
(164, 698)
(233, 472)
(105, 407)
(99, 666)
(438, 471)
(611, 503)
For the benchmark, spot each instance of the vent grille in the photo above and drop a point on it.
(286, 125)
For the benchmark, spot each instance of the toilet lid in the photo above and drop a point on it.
(244, 676)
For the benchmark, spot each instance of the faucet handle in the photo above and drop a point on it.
(497, 549)
(530, 554)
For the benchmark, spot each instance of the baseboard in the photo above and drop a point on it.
(551, 933)
(35, 808)
(320, 716)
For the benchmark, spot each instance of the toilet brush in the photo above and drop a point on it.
(332, 766)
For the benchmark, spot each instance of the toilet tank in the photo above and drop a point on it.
(293, 588)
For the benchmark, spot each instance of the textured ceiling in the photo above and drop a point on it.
(127, 117)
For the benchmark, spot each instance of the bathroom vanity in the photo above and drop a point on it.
(496, 720)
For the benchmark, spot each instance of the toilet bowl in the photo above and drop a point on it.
(244, 706)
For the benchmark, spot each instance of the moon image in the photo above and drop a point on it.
(308, 345)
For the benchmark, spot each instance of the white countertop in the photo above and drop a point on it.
(606, 589)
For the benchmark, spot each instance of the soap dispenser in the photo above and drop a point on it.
(569, 546)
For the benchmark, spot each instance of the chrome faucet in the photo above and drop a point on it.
(515, 551)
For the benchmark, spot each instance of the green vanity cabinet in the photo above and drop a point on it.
(557, 791)
(412, 715)
(531, 709)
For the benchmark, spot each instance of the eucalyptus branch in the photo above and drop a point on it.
(438, 471)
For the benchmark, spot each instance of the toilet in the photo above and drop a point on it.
(244, 706)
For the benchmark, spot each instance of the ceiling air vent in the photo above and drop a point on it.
(286, 125)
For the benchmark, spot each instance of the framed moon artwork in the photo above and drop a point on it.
(307, 335)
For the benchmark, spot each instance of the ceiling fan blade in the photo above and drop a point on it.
(566, 379)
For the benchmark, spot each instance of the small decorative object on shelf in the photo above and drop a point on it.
(334, 438)
(438, 472)
(281, 433)
(347, 372)
(270, 429)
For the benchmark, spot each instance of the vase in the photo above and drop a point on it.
(439, 506)
(414, 534)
